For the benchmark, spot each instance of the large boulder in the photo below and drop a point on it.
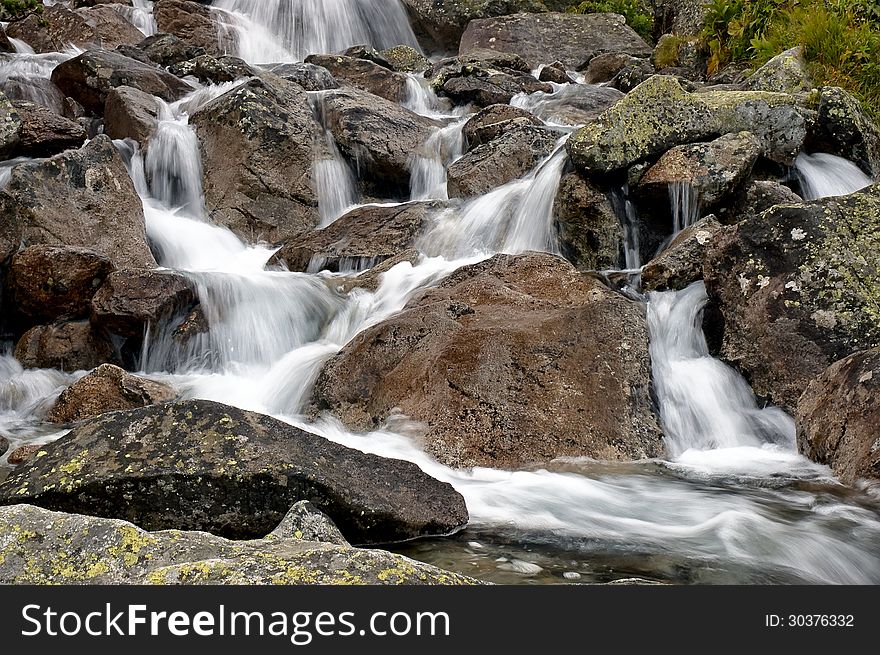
(797, 287)
(590, 233)
(47, 283)
(484, 87)
(267, 124)
(839, 417)
(360, 239)
(38, 546)
(195, 24)
(199, 465)
(130, 113)
(89, 78)
(308, 76)
(510, 362)
(505, 159)
(80, 198)
(44, 133)
(786, 72)
(363, 74)
(53, 30)
(107, 389)
(379, 135)
(571, 39)
(111, 27)
(844, 129)
(69, 346)
(214, 70)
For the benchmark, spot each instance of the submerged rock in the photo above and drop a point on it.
(797, 286)
(199, 465)
(38, 546)
(510, 362)
(838, 417)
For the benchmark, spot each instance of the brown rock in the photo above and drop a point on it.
(195, 24)
(363, 74)
(44, 133)
(681, 263)
(23, 454)
(53, 30)
(111, 27)
(604, 67)
(493, 121)
(130, 114)
(590, 234)
(107, 389)
(70, 346)
(514, 361)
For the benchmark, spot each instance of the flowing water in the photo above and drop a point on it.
(822, 175)
(732, 503)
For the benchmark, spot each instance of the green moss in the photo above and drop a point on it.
(666, 54)
(636, 12)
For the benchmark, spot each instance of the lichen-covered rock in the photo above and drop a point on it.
(53, 30)
(786, 73)
(107, 389)
(759, 196)
(267, 124)
(10, 128)
(590, 234)
(510, 362)
(47, 283)
(406, 59)
(82, 198)
(685, 17)
(502, 160)
(69, 346)
(838, 417)
(199, 465)
(306, 522)
(843, 128)
(363, 74)
(38, 546)
(214, 70)
(681, 263)
(797, 287)
(572, 39)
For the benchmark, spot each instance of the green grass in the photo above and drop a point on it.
(840, 39)
(14, 9)
(635, 12)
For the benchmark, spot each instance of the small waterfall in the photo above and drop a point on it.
(428, 167)
(21, 47)
(822, 175)
(704, 404)
(629, 220)
(140, 14)
(685, 202)
(174, 165)
(335, 182)
(271, 31)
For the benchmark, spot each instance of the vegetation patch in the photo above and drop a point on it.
(635, 12)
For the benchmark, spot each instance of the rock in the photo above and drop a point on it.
(713, 170)
(761, 195)
(378, 134)
(34, 89)
(786, 72)
(604, 67)
(91, 76)
(844, 129)
(590, 234)
(493, 121)
(43, 547)
(575, 104)
(797, 289)
(572, 39)
(308, 76)
(555, 73)
(484, 88)
(360, 239)
(53, 30)
(45, 133)
(509, 157)
(406, 59)
(306, 522)
(131, 300)
(10, 128)
(5, 43)
(659, 114)
(838, 417)
(215, 70)
(107, 389)
(633, 74)
(47, 283)
(364, 75)
(510, 362)
(111, 27)
(199, 465)
(686, 17)
(681, 263)
(371, 279)
(167, 49)
(80, 198)
(266, 122)
(4, 445)
(70, 346)
(22, 454)
(130, 114)
(194, 24)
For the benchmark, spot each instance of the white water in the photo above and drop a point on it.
(824, 175)
(140, 14)
(428, 166)
(685, 202)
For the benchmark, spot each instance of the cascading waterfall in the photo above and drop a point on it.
(823, 175)
(428, 167)
(335, 182)
(685, 201)
(270, 31)
(140, 14)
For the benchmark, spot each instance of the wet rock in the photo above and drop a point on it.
(69, 346)
(268, 126)
(681, 263)
(406, 59)
(167, 49)
(4, 445)
(215, 70)
(130, 114)
(797, 289)
(53, 30)
(555, 73)
(761, 195)
(371, 279)
(306, 522)
(360, 239)
(111, 27)
(199, 465)
(844, 129)
(47, 283)
(713, 170)
(79, 198)
(45, 133)
(490, 87)
(514, 361)
(363, 74)
(130, 300)
(493, 121)
(91, 76)
(786, 73)
(604, 67)
(194, 24)
(44, 547)
(379, 135)
(509, 157)
(5, 43)
(308, 76)
(569, 38)
(575, 104)
(838, 417)
(590, 234)
(35, 89)
(22, 454)
(10, 128)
